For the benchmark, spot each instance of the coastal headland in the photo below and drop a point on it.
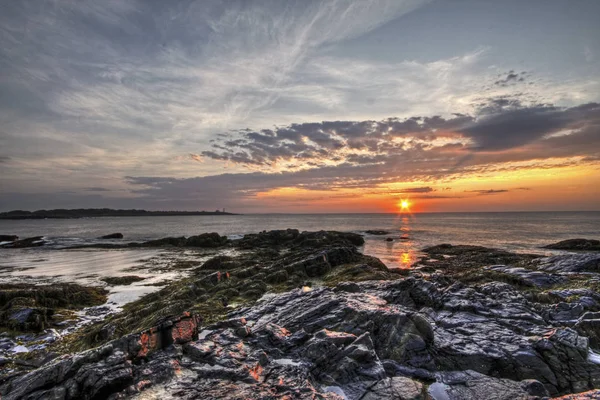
(306, 315)
(99, 212)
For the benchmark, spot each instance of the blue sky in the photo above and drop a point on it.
(204, 104)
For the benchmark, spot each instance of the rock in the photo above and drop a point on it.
(28, 318)
(118, 369)
(471, 385)
(218, 263)
(168, 241)
(529, 277)
(568, 263)
(206, 240)
(396, 388)
(20, 349)
(112, 236)
(389, 239)
(377, 232)
(589, 325)
(306, 315)
(31, 307)
(589, 395)
(35, 241)
(576, 244)
(122, 280)
(270, 238)
(8, 238)
(49, 336)
(292, 237)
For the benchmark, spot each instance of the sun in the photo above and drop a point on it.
(404, 205)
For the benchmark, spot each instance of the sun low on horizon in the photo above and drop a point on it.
(404, 205)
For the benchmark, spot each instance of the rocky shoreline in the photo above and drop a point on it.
(305, 315)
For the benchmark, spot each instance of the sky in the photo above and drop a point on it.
(300, 106)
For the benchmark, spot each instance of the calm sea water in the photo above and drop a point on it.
(521, 232)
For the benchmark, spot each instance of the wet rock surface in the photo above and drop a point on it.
(567, 263)
(306, 316)
(529, 277)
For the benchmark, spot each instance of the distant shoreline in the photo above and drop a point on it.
(99, 212)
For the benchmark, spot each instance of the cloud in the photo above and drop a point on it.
(495, 191)
(95, 91)
(196, 157)
(417, 190)
(504, 125)
(489, 191)
(511, 78)
(588, 54)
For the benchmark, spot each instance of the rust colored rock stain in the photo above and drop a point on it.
(180, 330)
(255, 371)
(284, 331)
(141, 385)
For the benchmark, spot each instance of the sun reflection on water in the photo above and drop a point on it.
(401, 251)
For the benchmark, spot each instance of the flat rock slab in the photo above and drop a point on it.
(565, 263)
(529, 277)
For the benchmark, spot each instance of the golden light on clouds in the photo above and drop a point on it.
(512, 188)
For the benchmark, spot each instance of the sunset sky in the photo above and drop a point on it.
(300, 106)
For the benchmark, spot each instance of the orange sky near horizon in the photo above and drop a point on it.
(531, 189)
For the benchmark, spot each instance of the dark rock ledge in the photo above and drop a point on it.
(576, 245)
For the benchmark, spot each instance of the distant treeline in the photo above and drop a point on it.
(98, 212)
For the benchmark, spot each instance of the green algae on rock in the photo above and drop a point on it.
(26, 307)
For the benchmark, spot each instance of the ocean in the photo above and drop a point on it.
(513, 231)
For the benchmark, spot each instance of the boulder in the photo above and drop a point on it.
(8, 238)
(28, 318)
(267, 239)
(112, 236)
(206, 240)
(167, 241)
